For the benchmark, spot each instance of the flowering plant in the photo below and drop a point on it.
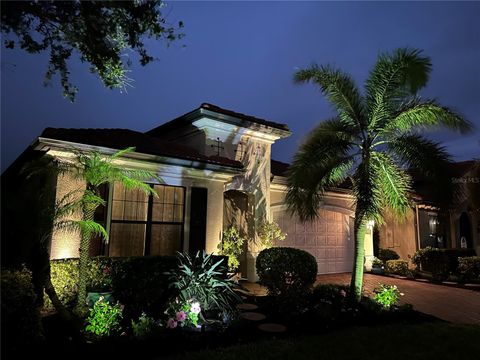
(183, 314)
(105, 319)
(387, 296)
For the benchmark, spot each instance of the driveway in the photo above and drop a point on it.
(452, 304)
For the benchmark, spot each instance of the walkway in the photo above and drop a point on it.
(456, 305)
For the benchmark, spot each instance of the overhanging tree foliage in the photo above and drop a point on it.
(102, 33)
(373, 140)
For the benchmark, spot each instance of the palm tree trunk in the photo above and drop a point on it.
(88, 215)
(356, 283)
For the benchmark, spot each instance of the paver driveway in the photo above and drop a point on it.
(448, 303)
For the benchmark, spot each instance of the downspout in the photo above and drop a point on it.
(418, 226)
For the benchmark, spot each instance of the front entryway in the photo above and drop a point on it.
(198, 220)
(237, 212)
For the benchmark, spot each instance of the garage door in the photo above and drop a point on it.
(327, 238)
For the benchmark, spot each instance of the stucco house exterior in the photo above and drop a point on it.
(428, 224)
(216, 171)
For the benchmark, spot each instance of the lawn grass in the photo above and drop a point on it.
(413, 342)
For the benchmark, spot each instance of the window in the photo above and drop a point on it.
(145, 224)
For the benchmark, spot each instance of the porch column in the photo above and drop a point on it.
(369, 246)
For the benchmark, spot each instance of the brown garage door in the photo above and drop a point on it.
(327, 238)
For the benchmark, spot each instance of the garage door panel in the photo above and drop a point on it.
(310, 240)
(327, 239)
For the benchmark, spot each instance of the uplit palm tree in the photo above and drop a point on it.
(372, 141)
(96, 169)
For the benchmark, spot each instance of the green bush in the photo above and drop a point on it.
(140, 282)
(398, 267)
(432, 260)
(145, 327)
(330, 293)
(469, 268)
(270, 232)
(387, 254)
(454, 254)
(231, 246)
(387, 296)
(104, 319)
(20, 317)
(286, 272)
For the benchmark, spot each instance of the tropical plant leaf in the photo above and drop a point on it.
(339, 89)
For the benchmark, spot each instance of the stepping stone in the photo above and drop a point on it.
(272, 328)
(247, 307)
(253, 316)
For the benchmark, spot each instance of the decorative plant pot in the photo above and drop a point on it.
(377, 270)
(94, 296)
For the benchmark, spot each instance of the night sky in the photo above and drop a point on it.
(242, 56)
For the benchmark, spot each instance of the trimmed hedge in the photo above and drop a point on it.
(140, 283)
(469, 268)
(21, 323)
(440, 262)
(286, 270)
(387, 254)
(399, 267)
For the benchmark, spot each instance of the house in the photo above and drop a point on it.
(216, 171)
(429, 224)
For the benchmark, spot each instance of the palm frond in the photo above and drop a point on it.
(394, 184)
(394, 77)
(322, 161)
(417, 152)
(430, 162)
(85, 227)
(123, 152)
(69, 204)
(424, 114)
(340, 90)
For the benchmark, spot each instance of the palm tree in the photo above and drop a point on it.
(373, 140)
(96, 169)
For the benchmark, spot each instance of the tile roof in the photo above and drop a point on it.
(123, 138)
(187, 118)
(278, 168)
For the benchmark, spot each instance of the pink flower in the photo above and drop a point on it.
(171, 324)
(343, 293)
(195, 308)
(181, 316)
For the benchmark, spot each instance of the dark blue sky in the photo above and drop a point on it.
(242, 56)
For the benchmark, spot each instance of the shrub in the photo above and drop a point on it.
(104, 319)
(287, 273)
(469, 268)
(399, 267)
(231, 246)
(145, 327)
(269, 232)
(20, 317)
(330, 293)
(432, 260)
(387, 296)
(376, 262)
(140, 282)
(387, 254)
(202, 278)
(454, 254)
